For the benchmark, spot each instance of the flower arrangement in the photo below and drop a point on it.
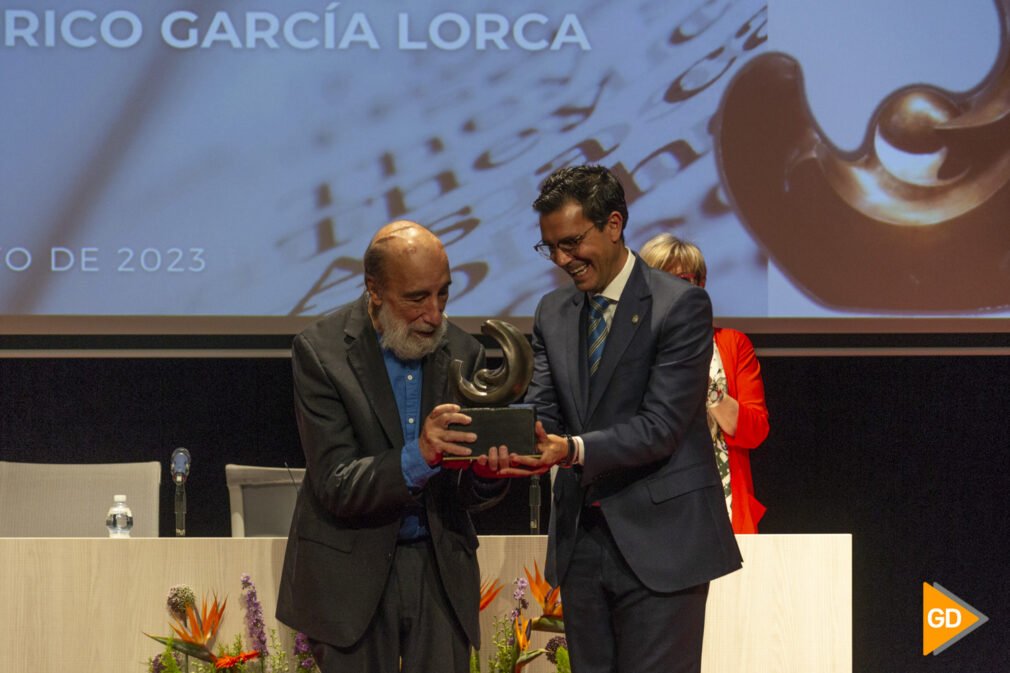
(513, 632)
(189, 649)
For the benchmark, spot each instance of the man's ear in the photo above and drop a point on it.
(615, 226)
(374, 293)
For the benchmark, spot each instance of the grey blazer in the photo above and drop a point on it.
(344, 530)
(648, 453)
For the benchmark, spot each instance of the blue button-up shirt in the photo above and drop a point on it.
(405, 378)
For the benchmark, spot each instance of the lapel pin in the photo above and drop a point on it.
(634, 319)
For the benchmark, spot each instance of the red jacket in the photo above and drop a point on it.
(743, 381)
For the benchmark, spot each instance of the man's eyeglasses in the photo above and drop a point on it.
(566, 245)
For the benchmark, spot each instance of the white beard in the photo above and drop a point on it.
(406, 344)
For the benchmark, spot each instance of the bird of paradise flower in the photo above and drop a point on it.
(196, 631)
(513, 655)
(488, 592)
(551, 619)
(549, 599)
(523, 631)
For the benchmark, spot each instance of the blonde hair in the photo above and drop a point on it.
(668, 253)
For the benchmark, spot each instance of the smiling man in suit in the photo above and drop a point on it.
(638, 527)
(380, 570)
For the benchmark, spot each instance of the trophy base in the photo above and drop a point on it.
(497, 426)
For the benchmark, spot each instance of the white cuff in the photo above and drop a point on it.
(580, 451)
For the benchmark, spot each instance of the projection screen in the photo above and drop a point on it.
(191, 167)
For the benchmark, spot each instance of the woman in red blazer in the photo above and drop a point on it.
(737, 413)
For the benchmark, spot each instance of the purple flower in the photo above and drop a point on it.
(519, 595)
(303, 652)
(254, 624)
(521, 586)
(553, 645)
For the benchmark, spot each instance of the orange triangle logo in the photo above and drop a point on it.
(946, 619)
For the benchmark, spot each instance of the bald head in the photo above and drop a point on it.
(396, 242)
(407, 276)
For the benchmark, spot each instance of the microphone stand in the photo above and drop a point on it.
(535, 505)
(180, 507)
(180, 465)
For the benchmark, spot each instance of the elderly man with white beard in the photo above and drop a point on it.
(380, 570)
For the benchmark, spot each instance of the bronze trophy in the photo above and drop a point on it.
(486, 399)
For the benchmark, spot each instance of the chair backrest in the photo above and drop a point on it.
(70, 500)
(262, 499)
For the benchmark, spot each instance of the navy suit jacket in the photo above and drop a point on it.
(649, 460)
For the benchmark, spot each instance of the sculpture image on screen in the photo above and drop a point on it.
(915, 220)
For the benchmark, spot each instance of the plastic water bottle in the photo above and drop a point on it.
(119, 520)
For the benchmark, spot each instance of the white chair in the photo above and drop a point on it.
(262, 499)
(71, 500)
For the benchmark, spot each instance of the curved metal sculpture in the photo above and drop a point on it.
(915, 220)
(506, 384)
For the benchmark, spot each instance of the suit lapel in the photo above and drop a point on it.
(632, 308)
(434, 378)
(365, 358)
(573, 325)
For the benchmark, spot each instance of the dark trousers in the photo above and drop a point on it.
(414, 623)
(614, 624)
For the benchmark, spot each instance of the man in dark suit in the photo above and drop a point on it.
(638, 526)
(380, 569)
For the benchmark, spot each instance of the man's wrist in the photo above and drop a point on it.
(416, 470)
(570, 455)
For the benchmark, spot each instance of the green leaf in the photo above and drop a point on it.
(564, 664)
(549, 624)
(168, 662)
(527, 657)
(192, 650)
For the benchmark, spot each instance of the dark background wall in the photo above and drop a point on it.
(908, 454)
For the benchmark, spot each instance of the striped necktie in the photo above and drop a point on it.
(598, 329)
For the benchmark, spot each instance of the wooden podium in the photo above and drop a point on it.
(84, 604)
